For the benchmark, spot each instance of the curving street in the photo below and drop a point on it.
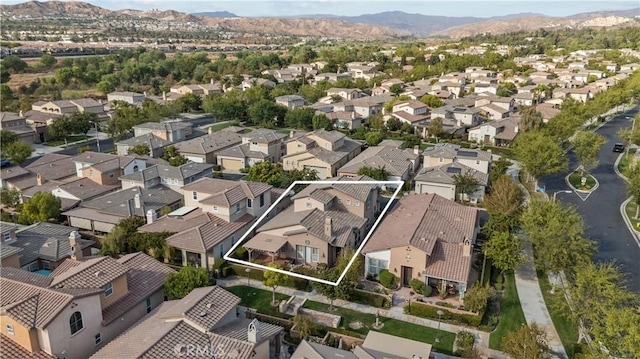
(601, 210)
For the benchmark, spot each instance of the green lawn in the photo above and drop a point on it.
(258, 299)
(511, 315)
(391, 327)
(70, 139)
(576, 177)
(631, 214)
(557, 305)
(624, 161)
(221, 126)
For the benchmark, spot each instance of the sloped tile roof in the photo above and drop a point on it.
(238, 330)
(92, 273)
(204, 306)
(23, 276)
(176, 224)
(11, 349)
(205, 236)
(394, 160)
(449, 262)
(446, 174)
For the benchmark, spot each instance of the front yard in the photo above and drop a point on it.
(70, 139)
(258, 299)
(511, 315)
(623, 165)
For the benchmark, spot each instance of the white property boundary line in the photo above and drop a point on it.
(287, 192)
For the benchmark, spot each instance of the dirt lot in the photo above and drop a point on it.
(18, 80)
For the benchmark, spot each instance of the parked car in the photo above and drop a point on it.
(618, 147)
(4, 162)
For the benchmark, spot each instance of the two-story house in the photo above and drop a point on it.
(347, 94)
(400, 164)
(208, 321)
(132, 98)
(17, 124)
(204, 149)
(425, 237)
(257, 146)
(232, 208)
(104, 168)
(331, 77)
(410, 112)
(81, 306)
(323, 151)
(323, 220)
(155, 145)
(170, 176)
(290, 101)
(446, 153)
(171, 130)
(200, 90)
(496, 133)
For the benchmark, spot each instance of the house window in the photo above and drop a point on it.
(221, 250)
(75, 323)
(307, 254)
(111, 174)
(194, 194)
(7, 237)
(98, 338)
(215, 208)
(440, 160)
(348, 202)
(10, 329)
(31, 267)
(237, 207)
(148, 303)
(108, 289)
(262, 200)
(308, 204)
(249, 203)
(90, 173)
(357, 203)
(233, 240)
(339, 201)
(314, 254)
(135, 168)
(374, 266)
(477, 162)
(368, 203)
(46, 265)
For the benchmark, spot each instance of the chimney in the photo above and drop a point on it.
(210, 130)
(253, 332)
(466, 247)
(136, 201)
(151, 216)
(291, 133)
(40, 179)
(21, 114)
(517, 128)
(74, 242)
(328, 227)
(145, 94)
(164, 96)
(416, 150)
(211, 81)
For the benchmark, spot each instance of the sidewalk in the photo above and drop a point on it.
(395, 312)
(532, 301)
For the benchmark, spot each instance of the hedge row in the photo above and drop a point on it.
(429, 311)
(258, 274)
(369, 298)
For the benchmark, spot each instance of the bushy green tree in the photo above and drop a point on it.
(432, 101)
(266, 172)
(171, 155)
(377, 173)
(141, 149)
(42, 207)
(586, 146)
(504, 250)
(466, 184)
(9, 197)
(273, 279)
(373, 138)
(528, 342)
(179, 284)
(300, 118)
(17, 151)
(267, 114)
(477, 297)
(539, 154)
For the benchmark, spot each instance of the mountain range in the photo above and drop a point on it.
(369, 26)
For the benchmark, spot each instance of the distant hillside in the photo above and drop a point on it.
(421, 25)
(53, 8)
(215, 14)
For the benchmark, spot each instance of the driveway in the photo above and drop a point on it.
(601, 210)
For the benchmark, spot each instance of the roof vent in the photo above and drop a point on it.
(203, 314)
(209, 305)
(98, 273)
(441, 232)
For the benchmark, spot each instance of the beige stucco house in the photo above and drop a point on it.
(256, 146)
(426, 237)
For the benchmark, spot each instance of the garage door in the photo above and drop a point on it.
(195, 159)
(446, 192)
(233, 165)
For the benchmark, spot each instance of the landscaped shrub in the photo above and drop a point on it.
(241, 253)
(219, 264)
(464, 340)
(430, 311)
(420, 287)
(477, 298)
(369, 298)
(387, 279)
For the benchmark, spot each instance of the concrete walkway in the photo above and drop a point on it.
(395, 312)
(532, 301)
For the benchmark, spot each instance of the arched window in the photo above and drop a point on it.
(135, 168)
(75, 322)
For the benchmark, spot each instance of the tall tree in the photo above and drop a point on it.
(466, 185)
(7, 137)
(499, 168)
(320, 122)
(435, 127)
(305, 174)
(267, 114)
(505, 201)
(504, 250)
(189, 103)
(377, 173)
(528, 342)
(17, 151)
(300, 118)
(540, 155)
(225, 107)
(171, 155)
(179, 284)
(586, 145)
(531, 119)
(9, 197)
(432, 101)
(42, 207)
(266, 172)
(273, 279)
(373, 138)
(141, 149)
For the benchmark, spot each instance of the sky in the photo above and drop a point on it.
(359, 7)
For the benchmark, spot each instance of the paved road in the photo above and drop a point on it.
(601, 211)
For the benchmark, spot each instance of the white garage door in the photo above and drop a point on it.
(195, 159)
(444, 191)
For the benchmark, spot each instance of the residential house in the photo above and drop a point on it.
(232, 208)
(331, 77)
(547, 110)
(485, 88)
(425, 237)
(344, 119)
(204, 149)
(347, 94)
(208, 321)
(200, 90)
(102, 214)
(446, 153)
(43, 113)
(363, 71)
(579, 94)
(170, 176)
(323, 220)
(251, 82)
(375, 345)
(371, 105)
(629, 67)
(104, 168)
(43, 246)
(70, 193)
(132, 98)
(82, 305)
(463, 116)
(506, 103)
(50, 167)
(155, 144)
(410, 112)
(17, 124)
(400, 164)
(283, 75)
(441, 180)
(257, 146)
(496, 133)
(323, 151)
(290, 101)
(170, 130)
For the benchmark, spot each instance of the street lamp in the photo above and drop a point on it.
(556, 193)
(440, 314)
(248, 271)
